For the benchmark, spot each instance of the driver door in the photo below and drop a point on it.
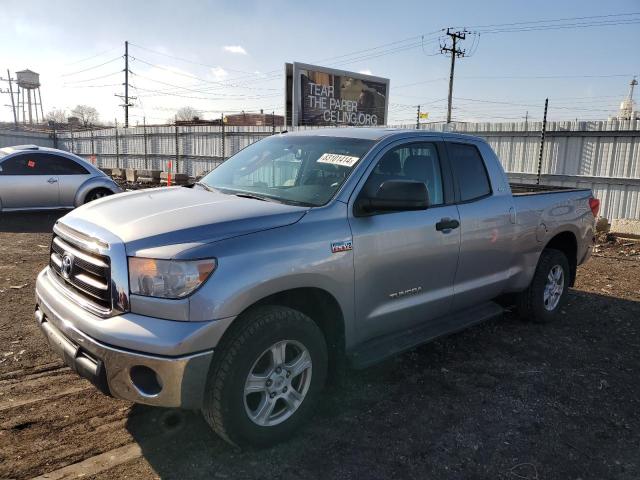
(404, 264)
(27, 182)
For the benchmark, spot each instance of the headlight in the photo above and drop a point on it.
(167, 278)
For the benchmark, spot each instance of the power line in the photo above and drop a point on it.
(91, 57)
(551, 20)
(91, 68)
(168, 94)
(562, 27)
(95, 86)
(182, 59)
(195, 77)
(94, 78)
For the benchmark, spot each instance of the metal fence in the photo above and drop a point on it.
(9, 138)
(602, 155)
(190, 149)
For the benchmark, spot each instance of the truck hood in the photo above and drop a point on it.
(163, 222)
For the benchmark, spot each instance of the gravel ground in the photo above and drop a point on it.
(504, 400)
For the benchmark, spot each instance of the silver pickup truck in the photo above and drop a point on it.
(240, 294)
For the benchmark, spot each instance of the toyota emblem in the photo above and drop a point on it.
(67, 265)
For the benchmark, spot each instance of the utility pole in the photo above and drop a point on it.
(126, 96)
(126, 84)
(144, 136)
(544, 129)
(10, 92)
(418, 119)
(455, 52)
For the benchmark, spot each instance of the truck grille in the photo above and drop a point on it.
(87, 273)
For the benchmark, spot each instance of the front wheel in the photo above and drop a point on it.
(546, 294)
(266, 375)
(96, 194)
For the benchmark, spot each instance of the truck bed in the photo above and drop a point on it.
(518, 189)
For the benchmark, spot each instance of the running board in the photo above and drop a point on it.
(380, 348)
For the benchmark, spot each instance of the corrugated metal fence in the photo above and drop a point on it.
(604, 155)
(9, 138)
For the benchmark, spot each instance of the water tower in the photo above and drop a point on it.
(29, 97)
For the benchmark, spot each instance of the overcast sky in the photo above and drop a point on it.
(238, 48)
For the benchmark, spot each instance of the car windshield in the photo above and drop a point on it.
(300, 170)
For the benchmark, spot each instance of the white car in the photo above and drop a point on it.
(41, 178)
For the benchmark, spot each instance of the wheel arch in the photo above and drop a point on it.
(92, 184)
(566, 242)
(323, 308)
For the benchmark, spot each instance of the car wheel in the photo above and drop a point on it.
(546, 294)
(96, 194)
(267, 373)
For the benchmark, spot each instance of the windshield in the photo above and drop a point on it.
(302, 170)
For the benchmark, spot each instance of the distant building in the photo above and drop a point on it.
(239, 120)
(197, 121)
(253, 119)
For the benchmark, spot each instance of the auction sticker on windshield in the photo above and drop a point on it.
(335, 159)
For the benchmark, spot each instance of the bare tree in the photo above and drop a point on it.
(186, 114)
(86, 114)
(57, 115)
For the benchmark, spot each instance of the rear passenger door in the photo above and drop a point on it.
(25, 182)
(486, 228)
(404, 265)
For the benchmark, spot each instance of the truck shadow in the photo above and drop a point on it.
(500, 395)
(29, 222)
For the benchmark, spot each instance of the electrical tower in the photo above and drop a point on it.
(126, 96)
(455, 52)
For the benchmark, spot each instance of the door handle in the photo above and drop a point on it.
(52, 180)
(447, 224)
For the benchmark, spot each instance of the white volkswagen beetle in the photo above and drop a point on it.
(41, 178)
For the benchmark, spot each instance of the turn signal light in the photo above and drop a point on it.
(594, 205)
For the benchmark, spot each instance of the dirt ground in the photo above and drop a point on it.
(504, 400)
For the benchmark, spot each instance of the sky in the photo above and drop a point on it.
(228, 56)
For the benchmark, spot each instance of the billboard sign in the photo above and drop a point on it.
(321, 96)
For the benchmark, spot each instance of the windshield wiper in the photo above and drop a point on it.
(255, 197)
(267, 198)
(207, 187)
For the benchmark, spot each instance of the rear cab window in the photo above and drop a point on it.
(469, 171)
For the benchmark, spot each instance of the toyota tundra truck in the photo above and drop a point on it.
(306, 252)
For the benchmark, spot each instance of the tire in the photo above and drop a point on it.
(247, 348)
(533, 304)
(96, 194)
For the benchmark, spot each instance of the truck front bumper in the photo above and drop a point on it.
(161, 380)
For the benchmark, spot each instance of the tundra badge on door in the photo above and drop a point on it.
(341, 246)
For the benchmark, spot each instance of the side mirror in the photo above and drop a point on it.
(395, 196)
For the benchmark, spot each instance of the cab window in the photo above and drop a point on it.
(468, 168)
(418, 162)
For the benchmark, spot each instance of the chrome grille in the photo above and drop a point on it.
(86, 273)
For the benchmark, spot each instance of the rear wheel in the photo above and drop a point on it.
(96, 194)
(546, 294)
(267, 374)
